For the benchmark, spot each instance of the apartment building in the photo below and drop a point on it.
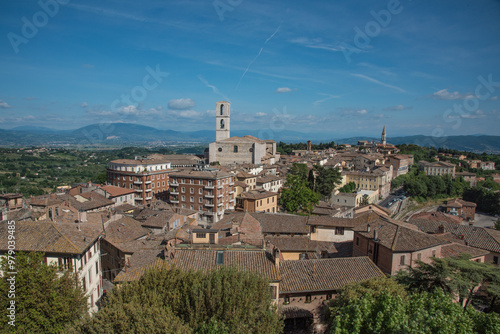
(378, 179)
(437, 168)
(70, 246)
(148, 177)
(210, 192)
(259, 200)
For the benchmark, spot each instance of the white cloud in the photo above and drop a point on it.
(354, 112)
(4, 105)
(399, 107)
(380, 83)
(185, 114)
(494, 98)
(260, 114)
(315, 43)
(181, 104)
(283, 90)
(329, 97)
(444, 94)
(477, 114)
(84, 105)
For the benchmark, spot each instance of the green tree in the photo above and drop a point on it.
(348, 188)
(47, 298)
(301, 170)
(353, 291)
(100, 178)
(456, 276)
(425, 312)
(327, 180)
(177, 301)
(296, 196)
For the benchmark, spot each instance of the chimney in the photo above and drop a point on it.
(441, 229)
(368, 228)
(375, 235)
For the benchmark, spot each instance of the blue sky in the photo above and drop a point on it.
(340, 67)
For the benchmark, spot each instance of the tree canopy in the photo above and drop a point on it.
(423, 312)
(176, 301)
(47, 298)
(455, 276)
(296, 196)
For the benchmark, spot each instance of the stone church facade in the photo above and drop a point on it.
(238, 150)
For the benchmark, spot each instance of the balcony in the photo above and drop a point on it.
(231, 200)
(138, 190)
(220, 204)
(210, 205)
(148, 190)
(137, 182)
(231, 192)
(174, 193)
(149, 198)
(209, 195)
(209, 187)
(174, 184)
(175, 201)
(220, 186)
(231, 183)
(220, 195)
(148, 182)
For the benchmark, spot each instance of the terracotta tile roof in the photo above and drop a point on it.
(241, 184)
(245, 175)
(259, 261)
(138, 263)
(281, 223)
(11, 196)
(257, 194)
(325, 274)
(333, 221)
(478, 237)
(45, 200)
(125, 208)
(458, 203)
(454, 250)
(115, 191)
(269, 222)
(160, 220)
(300, 244)
(436, 217)
(398, 236)
(205, 174)
(49, 237)
(124, 232)
(93, 201)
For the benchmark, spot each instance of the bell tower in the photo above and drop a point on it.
(222, 126)
(384, 137)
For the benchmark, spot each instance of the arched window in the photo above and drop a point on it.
(222, 110)
(235, 149)
(222, 124)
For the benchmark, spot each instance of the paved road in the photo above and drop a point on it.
(484, 220)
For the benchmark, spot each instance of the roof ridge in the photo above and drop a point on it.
(393, 246)
(65, 237)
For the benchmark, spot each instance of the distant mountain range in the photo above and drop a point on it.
(125, 134)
